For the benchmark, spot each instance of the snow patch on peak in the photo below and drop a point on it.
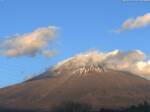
(90, 68)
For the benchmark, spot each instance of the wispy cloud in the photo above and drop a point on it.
(48, 53)
(29, 44)
(133, 23)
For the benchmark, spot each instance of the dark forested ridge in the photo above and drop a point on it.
(78, 107)
(81, 107)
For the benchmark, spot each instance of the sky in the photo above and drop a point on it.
(73, 26)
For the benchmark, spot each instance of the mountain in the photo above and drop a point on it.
(83, 79)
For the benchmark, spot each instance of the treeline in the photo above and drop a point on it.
(80, 107)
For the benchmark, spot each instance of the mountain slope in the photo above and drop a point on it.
(111, 89)
(82, 79)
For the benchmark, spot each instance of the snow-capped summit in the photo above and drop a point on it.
(82, 64)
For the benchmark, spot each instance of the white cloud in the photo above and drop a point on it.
(132, 61)
(136, 61)
(133, 23)
(29, 44)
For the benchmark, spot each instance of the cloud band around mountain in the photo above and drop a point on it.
(29, 44)
(134, 61)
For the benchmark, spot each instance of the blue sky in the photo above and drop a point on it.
(82, 25)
